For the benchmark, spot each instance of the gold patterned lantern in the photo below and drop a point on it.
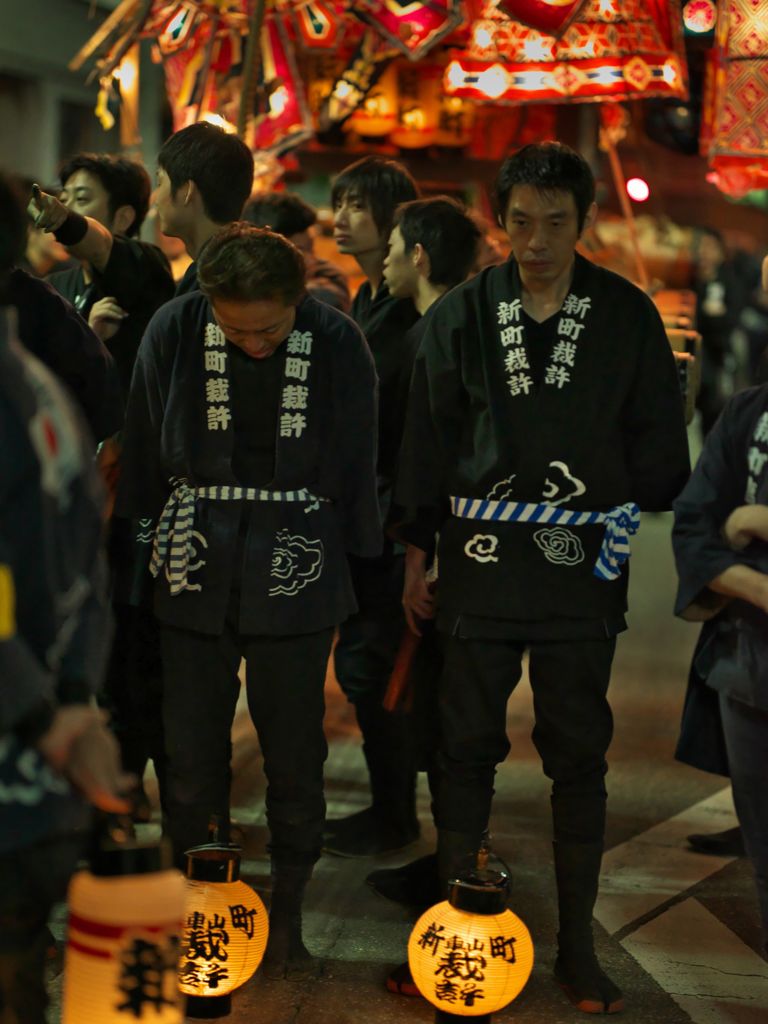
(125, 922)
(225, 932)
(470, 956)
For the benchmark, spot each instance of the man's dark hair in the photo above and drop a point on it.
(449, 236)
(220, 164)
(13, 227)
(547, 167)
(126, 182)
(283, 212)
(248, 264)
(380, 185)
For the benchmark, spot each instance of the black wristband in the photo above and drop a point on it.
(73, 230)
(35, 723)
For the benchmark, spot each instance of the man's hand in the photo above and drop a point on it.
(79, 746)
(743, 582)
(47, 212)
(745, 524)
(418, 601)
(105, 317)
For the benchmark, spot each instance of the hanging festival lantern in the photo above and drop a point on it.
(699, 16)
(412, 28)
(470, 956)
(419, 91)
(455, 120)
(364, 69)
(614, 49)
(550, 16)
(318, 25)
(226, 930)
(377, 114)
(734, 134)
(125, 921)
(286, 122)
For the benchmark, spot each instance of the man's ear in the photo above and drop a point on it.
(186, 193)
(591, 217)
(418, 255)
(124, 217)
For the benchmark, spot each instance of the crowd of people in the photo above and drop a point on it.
(279, 467)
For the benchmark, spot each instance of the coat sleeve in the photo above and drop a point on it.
(435, 414)
(654, 420)
(715, 488)
(143, 488)
(356, 432)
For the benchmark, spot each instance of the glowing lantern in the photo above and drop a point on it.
(613, 49)
(419, 106)
(454, 126)
(700, 15)
(638, 189)
(470, 956)
(225, 934)
(318, 26)
(365, 67)
(377, 114)
(550, 16)
(125, 921)
(412, 27)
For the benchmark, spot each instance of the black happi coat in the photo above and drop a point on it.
(287, 559)
(732, 653)
(602, 426)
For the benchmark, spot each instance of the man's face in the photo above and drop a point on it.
(543, 228)
(399, 272)
(354, 229)
(258, 327)
(172, 214)
(83, 193)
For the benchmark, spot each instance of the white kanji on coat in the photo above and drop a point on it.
(756, 460)
(215, 362)
(511, 335)
(509, 312)
(515, 360)
(750, 495)
(519, 382)
(299, 343)
(218, 417)
(557, 375)
(564, 352)
(761, 430)
(575, 306)
(292, 424)
(214, 336)
(295, 396)
(217, 389)
(569, 327)
(296, 368)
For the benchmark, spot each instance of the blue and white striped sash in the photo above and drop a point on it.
(173, 536)
(621, 523)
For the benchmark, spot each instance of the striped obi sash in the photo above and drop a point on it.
(173, 536)
(621, 523)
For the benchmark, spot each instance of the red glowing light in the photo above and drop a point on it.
(638, 189)
(700, 15)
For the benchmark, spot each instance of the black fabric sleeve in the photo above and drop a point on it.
(715, 489)
(654, 419)
(138, 275)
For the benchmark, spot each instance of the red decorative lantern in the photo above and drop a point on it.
(735, 111)
(700, 15)
(550, 16)
(419, 106)
(615, 49)
(318, 25)
(413, 28)
(286, 122)
(376, 116)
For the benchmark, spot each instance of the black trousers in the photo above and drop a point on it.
(32, 879)
(572, 732)
(285, 678)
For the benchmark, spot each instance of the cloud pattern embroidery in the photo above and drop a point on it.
(296, 561)
(503, 490)
(560, 486)
(560, 546)
(481, 547)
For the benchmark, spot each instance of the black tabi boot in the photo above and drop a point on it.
(390, 824)
(577, 971)
(415, 884)
(286, 955)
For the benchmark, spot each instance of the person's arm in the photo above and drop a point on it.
(418, 602)
(84, 237)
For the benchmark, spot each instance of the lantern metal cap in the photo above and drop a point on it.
(213, 862)
(480, 892)
(131, 858)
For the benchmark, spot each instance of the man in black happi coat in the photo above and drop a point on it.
(544, 410)
(250, 436)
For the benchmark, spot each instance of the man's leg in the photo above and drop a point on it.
(32, 879)
(199, 697)
(572, 733)
(285, 681)
(477, 680)
(746, 735)
(364, 658)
